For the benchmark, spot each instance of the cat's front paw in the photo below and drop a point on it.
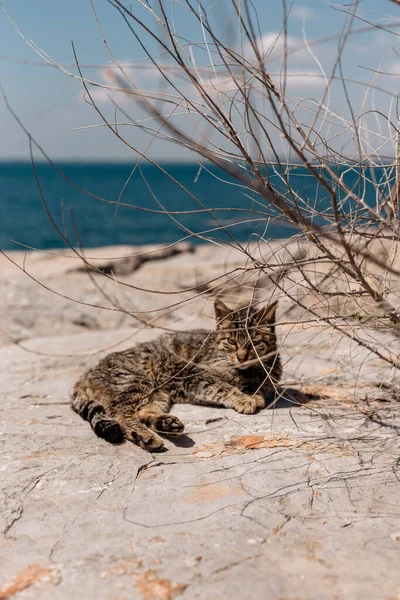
(169, 424)
(247, 404)
(149, 442)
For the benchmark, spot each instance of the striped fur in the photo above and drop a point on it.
(129, 394)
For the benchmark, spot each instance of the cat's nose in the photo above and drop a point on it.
(242, 355)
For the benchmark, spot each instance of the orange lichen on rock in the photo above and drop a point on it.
(127, 566)
(240, 444)
(24, 579)
(212, 491)
(153, 588)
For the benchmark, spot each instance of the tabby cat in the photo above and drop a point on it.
(129, 394)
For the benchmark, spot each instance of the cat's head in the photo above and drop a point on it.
(246, 335)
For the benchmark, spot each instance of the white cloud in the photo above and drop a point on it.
(302, 12)
(114, 81)
(391, 69)
(298, 81)
(272, 47)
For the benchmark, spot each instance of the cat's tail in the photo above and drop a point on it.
(91, 410)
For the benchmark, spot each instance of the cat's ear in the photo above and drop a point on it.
(266, 315)
(223, 314)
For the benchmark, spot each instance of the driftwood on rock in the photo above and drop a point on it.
(129, 264)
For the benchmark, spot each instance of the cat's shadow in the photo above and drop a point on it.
(291, 397)
(181, 441)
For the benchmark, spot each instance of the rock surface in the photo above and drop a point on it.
(297, 502)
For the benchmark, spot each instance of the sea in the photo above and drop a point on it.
(101, 204)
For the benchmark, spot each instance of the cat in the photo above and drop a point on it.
(129, 393)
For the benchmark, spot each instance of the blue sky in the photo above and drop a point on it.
(51, 104)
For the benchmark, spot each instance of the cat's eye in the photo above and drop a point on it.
(231, 342)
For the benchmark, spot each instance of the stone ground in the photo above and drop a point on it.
(299, 502)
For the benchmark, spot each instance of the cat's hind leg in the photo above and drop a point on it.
(126, 409)
(137, 432)
(86, 402)
(155, 414)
